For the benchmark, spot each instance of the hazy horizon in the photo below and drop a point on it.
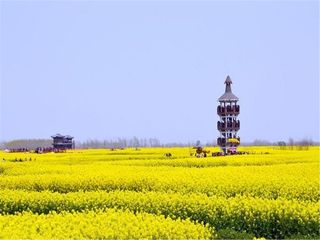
(104, 69)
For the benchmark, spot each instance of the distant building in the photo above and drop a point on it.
(62, 142)
(228, 126)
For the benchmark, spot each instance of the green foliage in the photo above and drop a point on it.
(232, 234)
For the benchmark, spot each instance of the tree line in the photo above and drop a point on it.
(136, 142)
(133, 142)
(26, 143)
(119, 143)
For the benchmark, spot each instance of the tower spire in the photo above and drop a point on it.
(228, 83)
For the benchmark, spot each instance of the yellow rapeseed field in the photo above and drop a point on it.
(140, 193)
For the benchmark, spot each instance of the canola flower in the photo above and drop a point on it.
(271, 195)
(233, 140)
(267, 218)
(291, 181)
(109, 224)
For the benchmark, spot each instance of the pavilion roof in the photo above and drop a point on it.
(58, 135)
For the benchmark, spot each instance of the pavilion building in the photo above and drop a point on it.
(61, 142)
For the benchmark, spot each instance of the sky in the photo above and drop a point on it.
(109, 69)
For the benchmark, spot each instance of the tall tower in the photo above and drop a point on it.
(228, 126)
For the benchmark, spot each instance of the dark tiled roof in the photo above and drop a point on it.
(58, 135)
(228, 95)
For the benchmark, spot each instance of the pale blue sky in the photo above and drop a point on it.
(106, 69)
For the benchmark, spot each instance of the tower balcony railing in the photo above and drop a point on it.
(62, 142)
(225, 141)
(233, 125)
(228, 110)
(221, 141)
